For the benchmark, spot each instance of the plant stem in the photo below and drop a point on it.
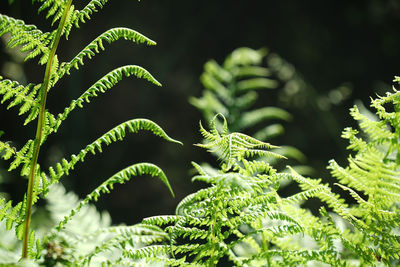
(39, 130)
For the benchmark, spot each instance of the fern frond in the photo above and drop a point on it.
(87, 11)
(235, 146)
(345, 177)
(117, 133)
(376, 130)
(32, 40)
(22, 156)
(6, 150)
(245, 56)
(162, 220)
(256, 83)
(97, 45)
(14, 216)
(19, 95)
(101, 86)
(304, 195)
(126, 235)
(54, 8)
(156, 254)
(8, 213)
(146, 251)
(119, 178)
(251, 118)
(300, 257)
(231, 90)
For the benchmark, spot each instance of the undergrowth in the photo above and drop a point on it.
(239, 217)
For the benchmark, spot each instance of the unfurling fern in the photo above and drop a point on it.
(240, 217)
(231, 89)
(31, 101)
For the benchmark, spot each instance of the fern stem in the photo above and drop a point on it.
(39, 129)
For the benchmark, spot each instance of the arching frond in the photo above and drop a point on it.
(119, 178)
(97, 45)
(115, 134)
(101, 86)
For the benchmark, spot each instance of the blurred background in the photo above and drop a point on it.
(340, 51)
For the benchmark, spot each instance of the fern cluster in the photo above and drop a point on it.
(371, 178)
(31, 101)
(231, 89)
(240, 217)
(368, 231)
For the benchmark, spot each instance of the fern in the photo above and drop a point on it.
(240, 217)
(371, 236)
(231, 90)
(88, 239)
(371, 178)
(31, 100)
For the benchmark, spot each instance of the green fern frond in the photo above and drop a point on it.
(6, 150)
(87, 11)
(253, 117)
(241, 207)
(14, 216)
(115, 134)
(231, 87)
(124, 236)
(55, 7)
(300, 257)
(256, 83)
(23, 156)
(235, 146)
(375, 129)
(101, 86)
(31, 100)
(19, 95)
(97, 45)
(245, 56)
(119, 178)
(162, 220)
(304, 195)
(231, 90)
(144, 252)
(32, 40)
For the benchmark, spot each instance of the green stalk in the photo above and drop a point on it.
(39, 129)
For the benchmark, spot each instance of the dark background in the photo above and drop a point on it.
(330, 43)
